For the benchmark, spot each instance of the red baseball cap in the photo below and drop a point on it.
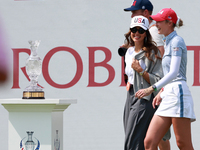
(165, 14)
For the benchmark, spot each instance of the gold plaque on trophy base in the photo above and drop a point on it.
(33, 95)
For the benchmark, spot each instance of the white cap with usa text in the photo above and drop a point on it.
(140, 21)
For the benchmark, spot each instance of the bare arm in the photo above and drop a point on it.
(162, 50)
(136, 66)
(174, 68)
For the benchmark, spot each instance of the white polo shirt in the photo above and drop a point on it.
(158, 38)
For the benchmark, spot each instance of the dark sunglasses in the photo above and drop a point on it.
(140, 30)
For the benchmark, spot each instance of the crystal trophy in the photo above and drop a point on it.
(33, 69)
(30, 144)
(57, 141)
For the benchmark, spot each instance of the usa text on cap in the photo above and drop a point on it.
(140, 21)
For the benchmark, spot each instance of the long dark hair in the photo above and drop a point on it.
(148, 45)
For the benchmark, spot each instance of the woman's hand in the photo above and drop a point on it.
(157, 100)
(144, 92)
(136, 65)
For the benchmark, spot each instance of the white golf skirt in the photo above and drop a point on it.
(176, 101)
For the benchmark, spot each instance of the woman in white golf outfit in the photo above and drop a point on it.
(143, 68)
(176, 103)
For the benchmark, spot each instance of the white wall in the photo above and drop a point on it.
(95, 122)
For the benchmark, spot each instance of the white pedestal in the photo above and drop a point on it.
(43, 116)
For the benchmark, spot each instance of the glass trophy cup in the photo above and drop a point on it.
(57, 141)
(30, 145)
(33, 69)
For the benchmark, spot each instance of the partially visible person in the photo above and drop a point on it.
(3, 58)
(3, 70)
(175, 99)
(145, 8)
(143, 68)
